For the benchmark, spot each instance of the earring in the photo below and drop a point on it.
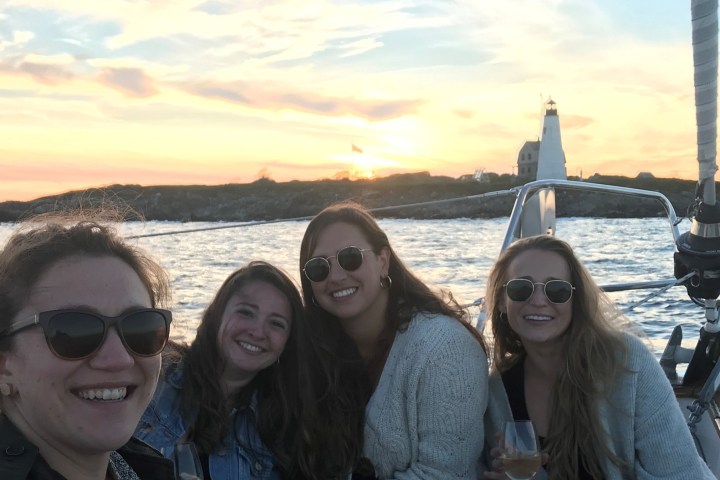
(7, 389)
(503, 316)
(315, 302)
(386, 281)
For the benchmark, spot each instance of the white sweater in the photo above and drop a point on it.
(422, 421)
(644, 424)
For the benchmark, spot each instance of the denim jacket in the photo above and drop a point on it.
(243, 454)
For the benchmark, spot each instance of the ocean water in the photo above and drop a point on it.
(453, 255)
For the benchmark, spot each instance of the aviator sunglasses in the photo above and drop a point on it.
(77, 334)
(349, 258)
(521, 289)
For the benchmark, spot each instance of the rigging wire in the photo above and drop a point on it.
(659, 292)
(307, 218)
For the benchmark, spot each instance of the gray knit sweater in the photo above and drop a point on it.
(422, 421)
(645, 425)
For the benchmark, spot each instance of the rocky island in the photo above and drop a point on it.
(266, 199)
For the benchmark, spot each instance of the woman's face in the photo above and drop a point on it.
(58, 403)
(537, 320)
(351, 295)
(254, 329)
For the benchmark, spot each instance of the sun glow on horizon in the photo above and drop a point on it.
(209, 93)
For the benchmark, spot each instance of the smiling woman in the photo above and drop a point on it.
(425, 364)
(596, 396)
(251, 391)
(80, 343)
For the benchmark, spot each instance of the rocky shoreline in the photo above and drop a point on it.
(266, 199)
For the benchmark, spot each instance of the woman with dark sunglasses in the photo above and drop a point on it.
(80, 343)
(597, 397)
(425, 366)
(252, 391)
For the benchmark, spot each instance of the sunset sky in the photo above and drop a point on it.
(225, 91)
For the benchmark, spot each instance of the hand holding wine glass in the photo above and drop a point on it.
(520, 456)
(186, 459)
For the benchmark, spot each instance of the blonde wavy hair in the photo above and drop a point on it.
(595, 354)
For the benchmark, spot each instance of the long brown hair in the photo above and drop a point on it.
(306, 441)
(595, 354)
(407, 294)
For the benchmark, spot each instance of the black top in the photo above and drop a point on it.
(514, 382)
(21, 460)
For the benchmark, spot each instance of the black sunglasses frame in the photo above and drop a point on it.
(44, 318)
(337, 257)
(532, 290)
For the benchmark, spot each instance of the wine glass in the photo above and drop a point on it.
(186, 459)
(520, 455)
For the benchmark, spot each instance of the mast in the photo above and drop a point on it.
(705, 61)
(698, 251)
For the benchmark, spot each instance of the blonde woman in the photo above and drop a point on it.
(597, 397)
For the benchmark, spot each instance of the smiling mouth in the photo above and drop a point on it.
(538, 318)
(344, 292)
(250, 347)
(103, 394)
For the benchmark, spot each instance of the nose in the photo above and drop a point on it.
(112, 355)
(257, 328)
(538, 296)
(336, 271)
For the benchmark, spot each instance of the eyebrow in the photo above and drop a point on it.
(91, 309)
(281, 317)
(547, 279)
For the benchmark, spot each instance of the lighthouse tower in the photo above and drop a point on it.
(551, 158)
(538, 215)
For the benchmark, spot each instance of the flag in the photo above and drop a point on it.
(357, 149)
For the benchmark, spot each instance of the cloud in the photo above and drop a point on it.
(45, 73)
(19, 37)
(256, 96)
(48, 70)
(131, 81)
(462, 113)
(575, 121)
(359, 46)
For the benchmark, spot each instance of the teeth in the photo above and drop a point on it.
(104, 394)
(344, 293)
(540, 318)
(250, 347)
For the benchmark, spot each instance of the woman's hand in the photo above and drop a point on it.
(497, 473)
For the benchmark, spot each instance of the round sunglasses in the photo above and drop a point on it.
(77, 334)
(349, 258)
(521, 289)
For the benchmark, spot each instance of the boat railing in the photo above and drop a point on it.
(524, 193)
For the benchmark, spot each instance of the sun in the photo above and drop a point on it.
(361, 171)
(365, 165)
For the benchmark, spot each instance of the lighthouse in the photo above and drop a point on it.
(551, 158)
(538, 215)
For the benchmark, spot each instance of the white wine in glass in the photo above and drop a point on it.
(520, 455)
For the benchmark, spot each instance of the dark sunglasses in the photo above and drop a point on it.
(77, 334)
(521, 289)
(350, 258)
